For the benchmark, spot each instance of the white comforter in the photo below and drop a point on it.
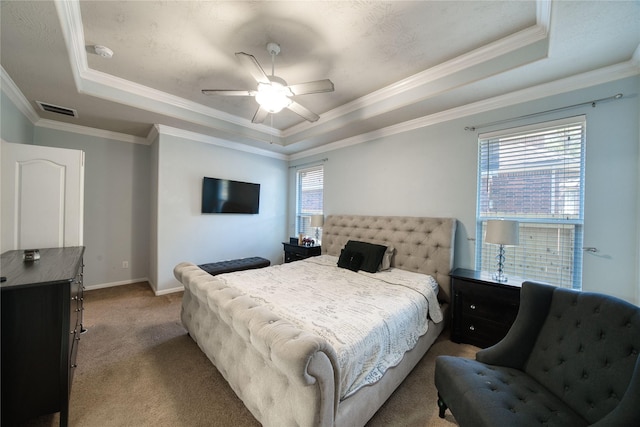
(371, 320)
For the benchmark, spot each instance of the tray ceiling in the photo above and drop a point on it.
(394, 64)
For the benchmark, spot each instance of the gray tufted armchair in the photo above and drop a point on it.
(570, 359)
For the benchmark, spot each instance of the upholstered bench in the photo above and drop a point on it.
(570, 359)
(232, 265)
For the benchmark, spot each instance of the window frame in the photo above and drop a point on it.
(561, 220)
(303, 217)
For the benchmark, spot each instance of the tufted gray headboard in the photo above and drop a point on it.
(422, 244)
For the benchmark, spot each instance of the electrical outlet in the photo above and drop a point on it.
(125, 264)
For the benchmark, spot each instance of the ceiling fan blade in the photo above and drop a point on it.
(317, 86)
(260, 115)
(303, 112)
(252, 65)
(229, 92)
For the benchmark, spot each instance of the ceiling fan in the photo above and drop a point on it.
(272, 93)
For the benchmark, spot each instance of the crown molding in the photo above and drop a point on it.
(102, 85)
(420, 86)
(194, 136)
(387, 99)
(580, 81)
(112, 88)
(89, 131)
(17, 97)
(25, 107)
(527, 37)
(71, 26)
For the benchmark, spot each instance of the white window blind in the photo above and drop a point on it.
(535, 175)
(310, 185)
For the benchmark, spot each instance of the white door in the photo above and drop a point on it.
(42, 197)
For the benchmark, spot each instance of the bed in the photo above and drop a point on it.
(286, 372)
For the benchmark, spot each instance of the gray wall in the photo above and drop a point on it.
(185, 234)
(116, 205)
(433, 172)
(14, 126)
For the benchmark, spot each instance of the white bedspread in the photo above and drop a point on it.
(371, 320)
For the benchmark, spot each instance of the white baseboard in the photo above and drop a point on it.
(169, 291)
(113, 284)
(128, 282)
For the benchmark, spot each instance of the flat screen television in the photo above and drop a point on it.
(227, 196)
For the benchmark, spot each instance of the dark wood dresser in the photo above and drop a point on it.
(483, 309)
(42, 303)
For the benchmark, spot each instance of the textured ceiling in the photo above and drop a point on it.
(391, 62)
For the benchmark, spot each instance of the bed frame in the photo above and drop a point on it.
(286, 376)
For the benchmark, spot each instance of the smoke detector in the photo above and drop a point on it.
(103, 51)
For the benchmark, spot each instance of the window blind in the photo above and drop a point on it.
(310, 186)
(535, 175)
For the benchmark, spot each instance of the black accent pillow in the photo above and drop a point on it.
(371, 253)
(350, 259)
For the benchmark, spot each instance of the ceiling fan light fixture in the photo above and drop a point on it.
(273, 97)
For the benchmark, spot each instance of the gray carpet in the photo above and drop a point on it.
(138, 367)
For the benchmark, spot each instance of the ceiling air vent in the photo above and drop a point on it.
(57, 109)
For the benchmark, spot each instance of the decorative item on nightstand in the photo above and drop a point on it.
(317, 221)
(504, 233)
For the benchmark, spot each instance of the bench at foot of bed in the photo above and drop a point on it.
(232, 265)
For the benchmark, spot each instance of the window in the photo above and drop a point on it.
(535, 175)
(310, 182)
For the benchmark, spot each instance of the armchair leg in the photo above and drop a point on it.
(442, 406)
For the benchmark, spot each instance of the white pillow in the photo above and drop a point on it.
(385, 264)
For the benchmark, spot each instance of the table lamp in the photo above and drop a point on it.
(504, 233)
(317, 221)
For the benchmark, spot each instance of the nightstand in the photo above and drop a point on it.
(482, 309)
(295, 252)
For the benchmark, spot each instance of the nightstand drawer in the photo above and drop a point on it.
(496, 310)
(294, 252)
(298, 250)
(482, 332)
(483, 309)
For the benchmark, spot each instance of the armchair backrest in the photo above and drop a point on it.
(587, 351)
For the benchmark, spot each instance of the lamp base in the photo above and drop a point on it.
(500, 277)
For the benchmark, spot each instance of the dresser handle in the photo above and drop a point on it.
(472, 328)
(472, 306)
(74, 365)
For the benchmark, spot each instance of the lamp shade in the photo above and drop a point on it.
(502, 232)
(317, 220)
